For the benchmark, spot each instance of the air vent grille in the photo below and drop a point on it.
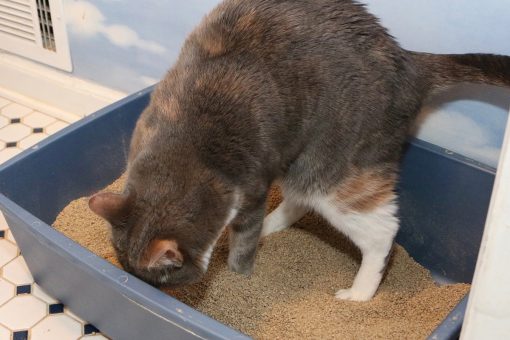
(35, 29)
(16, 19)
(45, 25)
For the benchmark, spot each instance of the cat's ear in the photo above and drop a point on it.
(112, 207)
(162, 253)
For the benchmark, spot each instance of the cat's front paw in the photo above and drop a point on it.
(273, 223)
(239, 266)
(353, 295)
(271, 226)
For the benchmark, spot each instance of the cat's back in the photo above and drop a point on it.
(286, 28)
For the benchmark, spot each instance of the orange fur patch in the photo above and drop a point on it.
(246, 21)
(213, 45)
(172, 109)
(366, 190)
(169, 107)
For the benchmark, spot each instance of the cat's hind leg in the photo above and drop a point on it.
(286, 214)
(364, 208)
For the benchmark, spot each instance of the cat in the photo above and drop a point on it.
(312, 94)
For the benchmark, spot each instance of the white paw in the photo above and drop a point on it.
(352, 295)
(271, 226)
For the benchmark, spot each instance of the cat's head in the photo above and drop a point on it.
(165, 224)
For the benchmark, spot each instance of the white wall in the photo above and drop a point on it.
(129, 44)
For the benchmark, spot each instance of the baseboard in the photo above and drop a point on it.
(46, 88)
(39, 106)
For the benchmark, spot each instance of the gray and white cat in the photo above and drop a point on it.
(314, 94)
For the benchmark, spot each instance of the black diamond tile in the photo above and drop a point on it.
(11, 144)
(56, 308)
(2, 233)
(15, 120)
(20, 335)
(89, 329)
(25, 289)
(38, 130)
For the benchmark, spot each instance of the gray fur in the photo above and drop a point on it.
(303, 91)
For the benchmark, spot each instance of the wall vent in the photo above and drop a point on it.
(45, 24)
(35, 29)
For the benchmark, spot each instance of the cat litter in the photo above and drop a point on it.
(291, 293)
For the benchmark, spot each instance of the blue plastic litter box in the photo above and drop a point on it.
(444, 200)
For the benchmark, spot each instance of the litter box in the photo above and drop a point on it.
(444, 199)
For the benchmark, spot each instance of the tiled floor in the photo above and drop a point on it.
(21, 127)
(26, 312)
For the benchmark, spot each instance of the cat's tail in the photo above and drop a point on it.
(438, 71)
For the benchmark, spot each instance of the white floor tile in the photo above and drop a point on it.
(3, 222)
(94, 337)
(38, 120)
(8, 251)
(55, 127)
(8, 153)
(17, 272)
(4, 333)
(56, 326)
(31, 140)
(41, 294)
(14, 132)
(15, 110)
(3, 121)
(4, 102)
(22, 312)
(7, 291)
(71, 314)
(9, 236)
